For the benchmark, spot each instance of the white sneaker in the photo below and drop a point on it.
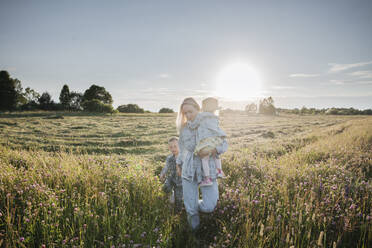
(220, 173)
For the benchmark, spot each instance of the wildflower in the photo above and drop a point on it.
(21, 239)
(352, 206)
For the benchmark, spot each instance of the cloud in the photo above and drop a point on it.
(342, 67)
(349, 82)
(361, 74)
(164, 75)
(303, 75)
(336, 82)
(278, 87)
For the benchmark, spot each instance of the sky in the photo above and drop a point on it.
(156, 53)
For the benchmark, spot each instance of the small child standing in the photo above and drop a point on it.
(173, 182)
(208, 137)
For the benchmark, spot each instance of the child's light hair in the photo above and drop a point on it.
(210, 104)
(172, 139)
(181, 118)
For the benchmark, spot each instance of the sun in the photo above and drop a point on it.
(238, 81)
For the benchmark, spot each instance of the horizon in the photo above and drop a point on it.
(315, 54)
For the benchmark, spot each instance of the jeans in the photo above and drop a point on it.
(192, 202)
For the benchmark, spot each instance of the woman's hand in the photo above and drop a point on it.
(162, 177)
(179, 170)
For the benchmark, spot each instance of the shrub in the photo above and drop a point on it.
(97, 106)
(130, 108)
(166, 110)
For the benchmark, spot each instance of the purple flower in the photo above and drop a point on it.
(21, 239)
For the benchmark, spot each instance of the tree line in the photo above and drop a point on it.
(95, 99)
(98, 99)
(266, 106)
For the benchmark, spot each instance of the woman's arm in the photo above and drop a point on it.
(222, 147)
(179, 159)
(181, 150)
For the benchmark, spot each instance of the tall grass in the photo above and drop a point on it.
(313, 190)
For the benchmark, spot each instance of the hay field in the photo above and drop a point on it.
(91, 181)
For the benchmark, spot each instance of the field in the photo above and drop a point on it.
(80, 180)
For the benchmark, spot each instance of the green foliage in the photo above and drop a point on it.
(130, 108)
(31, 95)
(65, 97)
(96, 92)
(76, 100)
(45, 101)
(96, 105)
(8, 91)
(329, 111)
(266, 106)
(166, 110)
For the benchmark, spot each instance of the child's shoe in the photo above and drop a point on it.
(206, 182)
(220, 173)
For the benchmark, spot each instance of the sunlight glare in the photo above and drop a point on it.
(238, 81)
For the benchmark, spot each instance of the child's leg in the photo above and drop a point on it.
(205, 164)
(217, 161)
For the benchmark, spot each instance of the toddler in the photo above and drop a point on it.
(208, 137)
(173, 182)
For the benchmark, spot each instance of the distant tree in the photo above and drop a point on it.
(99, 93)
(303, 110)
(65, 97)
(251, 108)
(130, 108)
(76, 100)
(266, 106)
(8, 91)
(31, 95)
(166, 110)
(31, 98)
(45, 101)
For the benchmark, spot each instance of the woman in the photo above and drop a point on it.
(187, 124)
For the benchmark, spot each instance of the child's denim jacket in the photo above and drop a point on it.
(208, 127)
(171, 171)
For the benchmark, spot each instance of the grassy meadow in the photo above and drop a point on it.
(80, 180)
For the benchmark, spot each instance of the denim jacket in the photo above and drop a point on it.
(191, 164)
(208, 127)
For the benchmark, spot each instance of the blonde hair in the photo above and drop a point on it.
(181, 118)
(172, 139)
